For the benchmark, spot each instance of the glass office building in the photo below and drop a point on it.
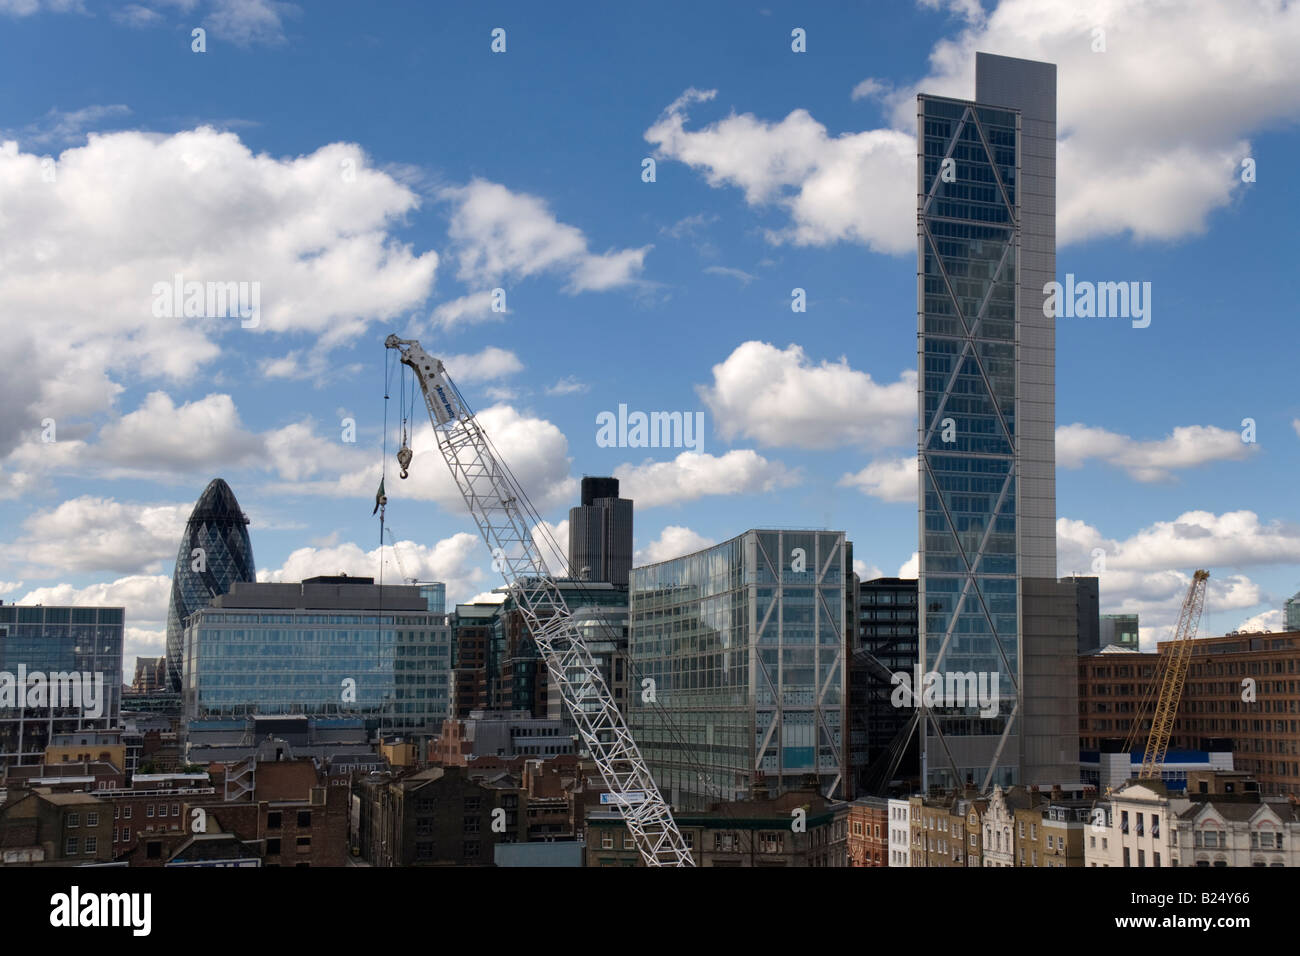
(57, 640)
(745, 645)
(990, 602)
(214, 553)
(330, 646)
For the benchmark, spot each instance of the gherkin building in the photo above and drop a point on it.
(214, 553)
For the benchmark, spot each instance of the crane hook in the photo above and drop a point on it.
(404, 458)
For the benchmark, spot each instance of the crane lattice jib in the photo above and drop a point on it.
(1175, 675)
(501, 511)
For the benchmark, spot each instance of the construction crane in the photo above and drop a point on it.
(1170, 680)
(504, 515)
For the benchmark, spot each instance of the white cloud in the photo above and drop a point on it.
(61, 127)
(778, 397)
(693, 475)
(202, 434)
(889, 480)
(866, 572)
(1187, 447)
(869, 89)
(454, 561)
(834, 188)
(1147, 574)
(910, 568)
(501, 235)
(248, 22)
(466, 310)
(312, 230)
(552, 541)
(1264, 621)
(535, 449)
(485, 366)
(673, 542)
(1295, 424)
(1152, 132)
(740, 274)
(568, 385)
(7, 586)
(101, 534)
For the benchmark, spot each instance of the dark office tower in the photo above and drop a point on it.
(881, 735)
(214, 553)
(600, 534)
(1087, 608)
(990, 601)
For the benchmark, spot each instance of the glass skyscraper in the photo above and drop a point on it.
(54, 640)
(214, 553)
(990, 602)
(330, 646)
(745, 645)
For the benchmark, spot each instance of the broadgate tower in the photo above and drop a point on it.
(214, 553)
(989, 601)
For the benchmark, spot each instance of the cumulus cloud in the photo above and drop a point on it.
(693, 475)
(1149, 572)
(569, 385)
(500, 235)
(313, 231)
(485, 366)
(831, 186)
(673, 542)
(893, 479)
(1264, 621)
(1188, 446)
(1149, 144)
(534, 448)
(100, 534)
(865, 571)
(911, 567)
(250, 22)
(160, 436)
(454, 561)
(779, 397)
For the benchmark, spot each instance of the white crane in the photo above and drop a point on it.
(503, 515)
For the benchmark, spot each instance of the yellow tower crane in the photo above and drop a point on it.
(1169, 680)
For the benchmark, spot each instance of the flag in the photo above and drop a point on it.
(380, 497)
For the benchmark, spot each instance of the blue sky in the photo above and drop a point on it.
(378, 168)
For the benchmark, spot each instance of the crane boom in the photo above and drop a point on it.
(1175, 675)
(501, 510)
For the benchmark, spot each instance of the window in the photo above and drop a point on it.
(771, 843)
(273, 820)
(1126, 860)
(126, 812)
(74, 820)
(1155, 859)
(471, 824)
(1123, 821)
(1092, 842)
(273, 846)
(153, 850)
(1141, 830)
(176, 809)
(473, 804)
(1022, 830)
(627, 842)
(304, 818)
(303, 843)
(1211, 838)
(1155, 826)
(607, 841)
(1142, 858)
(126, 834)
(70, 846)
(148, 811)
(725, 842)
(91, 844)
(92, 819)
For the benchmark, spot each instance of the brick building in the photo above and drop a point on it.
(868, 832)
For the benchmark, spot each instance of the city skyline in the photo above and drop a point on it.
(772, 173)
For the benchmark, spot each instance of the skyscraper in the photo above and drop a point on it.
(214, 553)
(600, 533)
(990, 602)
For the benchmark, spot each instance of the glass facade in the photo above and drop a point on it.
(969, 245)
(58, 640)
(745, 645)
(242, 661)
(214, 553)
